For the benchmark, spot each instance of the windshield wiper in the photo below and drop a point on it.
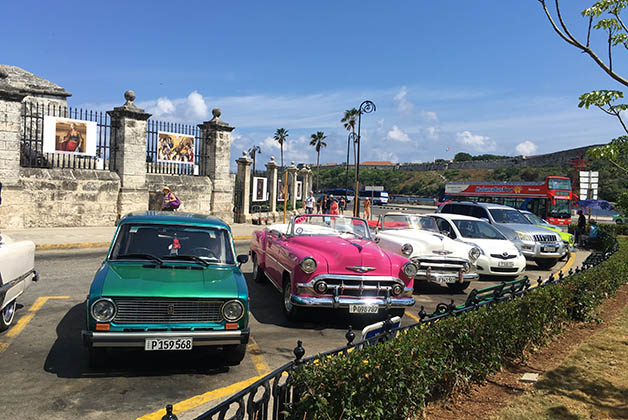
(187, 257)
(140, 256)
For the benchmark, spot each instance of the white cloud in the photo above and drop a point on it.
(382, 155)
(526, 148)
(432, 133)
(403, 104)
(164, 107)
(476, 142)
(396, 134)
(430, 116)
(196, 106)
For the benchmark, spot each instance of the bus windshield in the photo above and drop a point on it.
(559, 184)
(560, 209)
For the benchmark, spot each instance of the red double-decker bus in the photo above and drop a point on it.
(551, 200)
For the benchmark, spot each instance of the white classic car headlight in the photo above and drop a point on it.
(410, 269)
(406, 249)
(524, 236)
(103, 310)
(233, 310)
(474, 253)
(308, 265)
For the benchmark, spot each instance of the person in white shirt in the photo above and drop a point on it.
(309, 203)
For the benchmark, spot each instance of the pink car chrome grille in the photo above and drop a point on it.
(358, 286)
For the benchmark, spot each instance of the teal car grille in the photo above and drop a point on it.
(165, 311)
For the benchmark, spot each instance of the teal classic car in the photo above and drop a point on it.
(170, 282)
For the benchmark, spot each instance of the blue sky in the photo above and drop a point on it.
(486, 76)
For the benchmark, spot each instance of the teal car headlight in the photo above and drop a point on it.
(524, 236)
(233, 310)
(103, 310)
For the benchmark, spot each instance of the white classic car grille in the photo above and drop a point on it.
(545, 238)
(441, 265)
(165, 311)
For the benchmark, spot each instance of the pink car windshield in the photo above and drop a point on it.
(328, 225)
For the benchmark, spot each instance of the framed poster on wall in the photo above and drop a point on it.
(65, 135)
(175, 148)
(299, 190)
(260, 185)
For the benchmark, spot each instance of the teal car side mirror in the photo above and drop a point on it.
(242, 259)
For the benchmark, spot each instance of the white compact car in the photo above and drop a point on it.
(500, 257)
(439, 259)
(17, 271)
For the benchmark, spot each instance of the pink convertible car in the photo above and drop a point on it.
(331, 262)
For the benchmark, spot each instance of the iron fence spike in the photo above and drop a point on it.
(298, 351)
(169, 414)
(350, 336)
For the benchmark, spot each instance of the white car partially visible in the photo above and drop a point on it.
(500, 257)
(438, 258)
(17, 271)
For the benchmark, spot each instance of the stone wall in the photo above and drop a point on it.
(60, 197)
(194, 192)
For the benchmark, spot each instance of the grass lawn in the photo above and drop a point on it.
(592, 383)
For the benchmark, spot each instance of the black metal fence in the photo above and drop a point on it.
(270, 396)
(32, 144)
(156, 158)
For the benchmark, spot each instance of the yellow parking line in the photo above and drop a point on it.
(257, 358)
(16, 329)
(411, 315)
(199, 400)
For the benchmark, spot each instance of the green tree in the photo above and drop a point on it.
(280, 137)
(316, 140)
(462, 157)
(253, 151)
(604, 16)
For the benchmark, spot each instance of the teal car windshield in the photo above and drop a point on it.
(158, 242)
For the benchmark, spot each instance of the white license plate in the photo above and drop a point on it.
(363, 309)
(549, 249)
(175, 343)
(448, 279)
(505, 264)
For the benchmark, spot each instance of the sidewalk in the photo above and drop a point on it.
(94, 236)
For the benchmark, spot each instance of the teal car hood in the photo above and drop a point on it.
(137, 279)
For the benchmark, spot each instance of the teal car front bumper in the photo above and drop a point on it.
(138, 338)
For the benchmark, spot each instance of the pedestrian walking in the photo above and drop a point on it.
(327, 203)
(341, 205)
(171, 201)
(581, 229)
(309, 203)
(367, 209)
(333, 206)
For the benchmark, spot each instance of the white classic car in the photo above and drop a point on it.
(500, 257)
(17, 271)
(439, 259)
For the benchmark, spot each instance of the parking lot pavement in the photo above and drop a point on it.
(45, 363)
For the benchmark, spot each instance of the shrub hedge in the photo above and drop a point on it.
(396, 379)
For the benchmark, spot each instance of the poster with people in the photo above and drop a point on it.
(299, 188)
(65, 135)
(259, 188)
(280, 190)
(175, 148)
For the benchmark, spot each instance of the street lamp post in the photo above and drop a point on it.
(366, 107)
(350, 138)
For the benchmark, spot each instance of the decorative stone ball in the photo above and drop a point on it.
(292, 163)
(272, 158)
(216, 112)
(129, 95)
(243, 154)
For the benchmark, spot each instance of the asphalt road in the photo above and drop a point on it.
(44, 365)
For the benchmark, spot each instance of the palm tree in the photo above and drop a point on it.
(318, 143)
(252, 152)
(280, 137)
(349, 123)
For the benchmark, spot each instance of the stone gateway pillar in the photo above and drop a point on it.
(217, 137)
(271, 170)
(243, 189)
(292, 183)
(128, 139)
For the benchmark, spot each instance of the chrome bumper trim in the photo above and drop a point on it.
(341, 302)
(136, 339)
(439, 277)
